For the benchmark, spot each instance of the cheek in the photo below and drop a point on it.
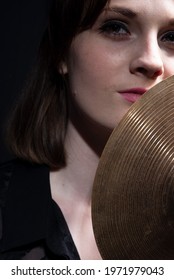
(88, 82)
(168, 66)
(88, 69)
(94, 67)
(95, 70)
(170, 70)
(89, 76)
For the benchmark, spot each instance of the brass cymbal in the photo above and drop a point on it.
(133, 191)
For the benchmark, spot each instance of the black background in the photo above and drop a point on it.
(22, 23)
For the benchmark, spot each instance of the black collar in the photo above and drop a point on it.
(31, 215)
(26, 211)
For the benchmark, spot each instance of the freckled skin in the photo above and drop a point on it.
(100, 64)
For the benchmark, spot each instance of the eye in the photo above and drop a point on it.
(115, 29)
(168, 38)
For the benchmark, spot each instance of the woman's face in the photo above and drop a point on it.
(129, 49)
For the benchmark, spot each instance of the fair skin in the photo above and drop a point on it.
(131, 45)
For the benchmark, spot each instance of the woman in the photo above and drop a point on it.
(96, 59)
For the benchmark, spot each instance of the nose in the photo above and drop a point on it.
(148, 60)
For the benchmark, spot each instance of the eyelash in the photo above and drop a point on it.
(115, 29)
(118, 30)
(168, 37)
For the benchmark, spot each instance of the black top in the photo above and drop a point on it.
(32, 225)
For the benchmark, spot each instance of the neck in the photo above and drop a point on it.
(84, 143)
(71, 188)
(82, 161)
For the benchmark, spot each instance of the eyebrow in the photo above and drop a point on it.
(128, 13)
(123, 11)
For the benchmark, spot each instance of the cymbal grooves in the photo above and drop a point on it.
(132, 200)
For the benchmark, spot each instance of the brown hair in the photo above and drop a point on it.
(37, 128)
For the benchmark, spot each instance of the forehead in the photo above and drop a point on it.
(144, 6)
(147, 11)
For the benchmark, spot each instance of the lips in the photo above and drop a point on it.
(133, 94)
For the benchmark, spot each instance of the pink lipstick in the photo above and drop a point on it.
(133, 94)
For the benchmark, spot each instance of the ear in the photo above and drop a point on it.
(62, 68)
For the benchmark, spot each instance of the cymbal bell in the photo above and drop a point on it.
(133, 191)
